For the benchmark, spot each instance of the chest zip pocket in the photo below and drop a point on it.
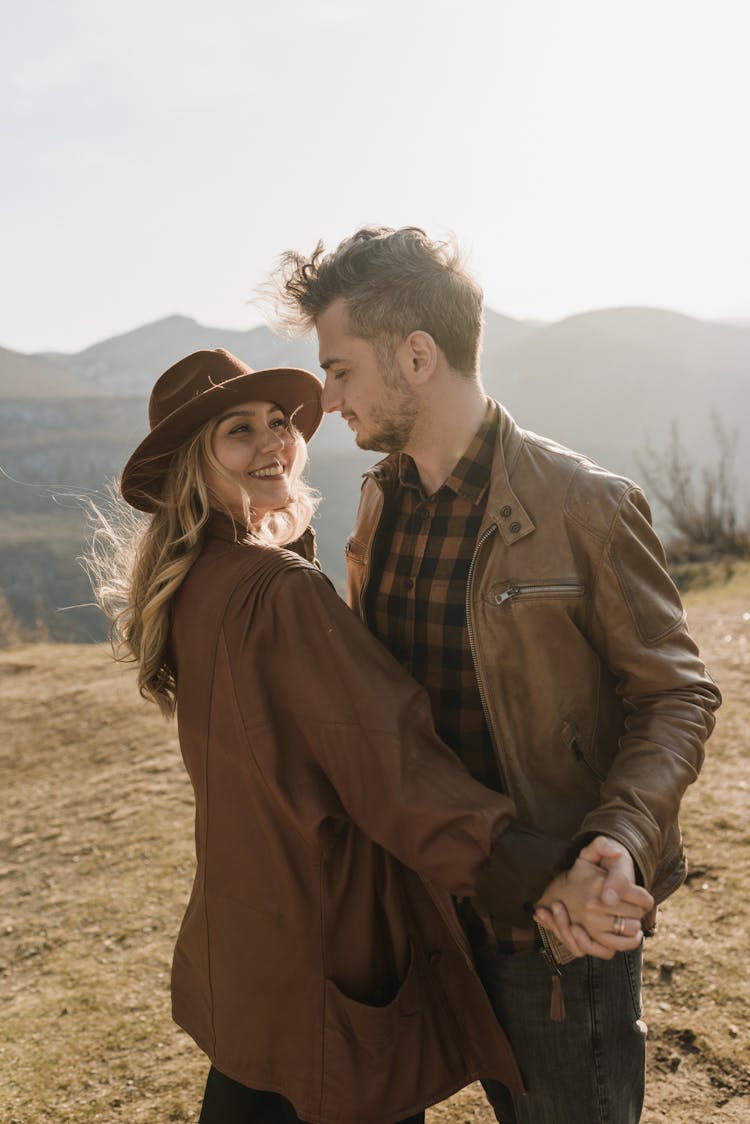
(539, 589)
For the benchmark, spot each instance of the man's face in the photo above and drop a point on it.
(374, 397)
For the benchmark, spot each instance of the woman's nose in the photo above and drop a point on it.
(276, 438)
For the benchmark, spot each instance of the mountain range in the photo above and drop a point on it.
(609, 383)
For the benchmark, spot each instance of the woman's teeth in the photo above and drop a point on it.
(275, 470)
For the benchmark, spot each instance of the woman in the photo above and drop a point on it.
(319, 964)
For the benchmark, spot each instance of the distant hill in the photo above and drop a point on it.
(35, 376)
(129, 364)
(607, 383)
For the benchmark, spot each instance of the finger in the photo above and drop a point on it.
(603, 848)
(545, 917)
(589, 945)
(602, 914)
(624, 907)
(618, 933)
(564, 929)
(617, 888)
(615, 943)
(631, 905)
(623, 927)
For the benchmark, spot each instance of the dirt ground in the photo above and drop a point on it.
(96, 865)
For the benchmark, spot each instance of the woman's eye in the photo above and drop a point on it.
(280, 423)
(242, 428)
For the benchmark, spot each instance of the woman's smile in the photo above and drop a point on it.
(254, 440)
(271, 470)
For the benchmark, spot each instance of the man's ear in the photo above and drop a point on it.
(418, 357)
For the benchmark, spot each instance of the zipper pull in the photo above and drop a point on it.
(501, 598)
(557, 1001)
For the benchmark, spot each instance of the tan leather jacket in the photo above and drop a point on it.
(595, 696)
(311, 960)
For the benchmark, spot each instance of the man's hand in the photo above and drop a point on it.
(620, 881)
(595, 909)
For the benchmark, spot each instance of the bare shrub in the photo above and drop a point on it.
(703, 505)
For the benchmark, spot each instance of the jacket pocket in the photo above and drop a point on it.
(572, 740)
(523, 590)
(394, 1058)
(365, 1023)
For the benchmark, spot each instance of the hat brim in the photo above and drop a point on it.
(296, 391)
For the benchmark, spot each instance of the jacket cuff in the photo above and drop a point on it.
(520, 867)
(621, 832)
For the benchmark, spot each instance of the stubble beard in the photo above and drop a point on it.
(393, 422)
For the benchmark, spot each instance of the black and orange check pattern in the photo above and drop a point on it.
(418, 610)
(418, 606)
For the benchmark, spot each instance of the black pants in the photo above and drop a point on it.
(227, 1102)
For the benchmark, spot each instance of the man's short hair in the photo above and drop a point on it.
(394, 282)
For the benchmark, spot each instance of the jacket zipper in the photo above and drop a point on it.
(472, 648)
(518, 590)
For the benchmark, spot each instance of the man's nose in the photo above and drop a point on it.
(331, 395)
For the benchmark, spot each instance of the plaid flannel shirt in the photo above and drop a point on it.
(418, 608)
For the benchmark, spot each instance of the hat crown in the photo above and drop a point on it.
(192, 376)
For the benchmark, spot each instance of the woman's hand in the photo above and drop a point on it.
(593, 909)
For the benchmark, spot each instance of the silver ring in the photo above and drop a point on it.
(618, 926)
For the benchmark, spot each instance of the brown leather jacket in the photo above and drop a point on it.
(311, 960)
(596, 699)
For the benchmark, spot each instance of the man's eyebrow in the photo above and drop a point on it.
(329, 363)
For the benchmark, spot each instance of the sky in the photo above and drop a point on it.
(157, 156)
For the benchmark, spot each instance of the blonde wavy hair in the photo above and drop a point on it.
(137, 563)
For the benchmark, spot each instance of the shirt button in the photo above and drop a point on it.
(434, 957)
(515, 528)
(423, 512)
(409, 583)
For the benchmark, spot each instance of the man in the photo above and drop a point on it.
(525, 588)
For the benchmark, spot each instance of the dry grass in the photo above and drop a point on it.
(96, 865)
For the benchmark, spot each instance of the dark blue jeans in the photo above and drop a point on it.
(590, 1067)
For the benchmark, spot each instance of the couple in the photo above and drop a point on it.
(401, 890)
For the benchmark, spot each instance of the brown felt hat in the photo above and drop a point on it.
(195, 390)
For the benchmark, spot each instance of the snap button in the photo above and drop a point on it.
(409, 583)
(515, 528)
(348, 547)
(506, 511)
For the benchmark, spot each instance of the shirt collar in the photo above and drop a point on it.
(470, 477)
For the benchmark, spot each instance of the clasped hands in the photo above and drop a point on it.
(596, 907)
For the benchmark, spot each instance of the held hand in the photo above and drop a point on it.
(572, 908)
(619, 885)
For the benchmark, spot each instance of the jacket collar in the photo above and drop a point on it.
(504, 509)
(221, 526)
